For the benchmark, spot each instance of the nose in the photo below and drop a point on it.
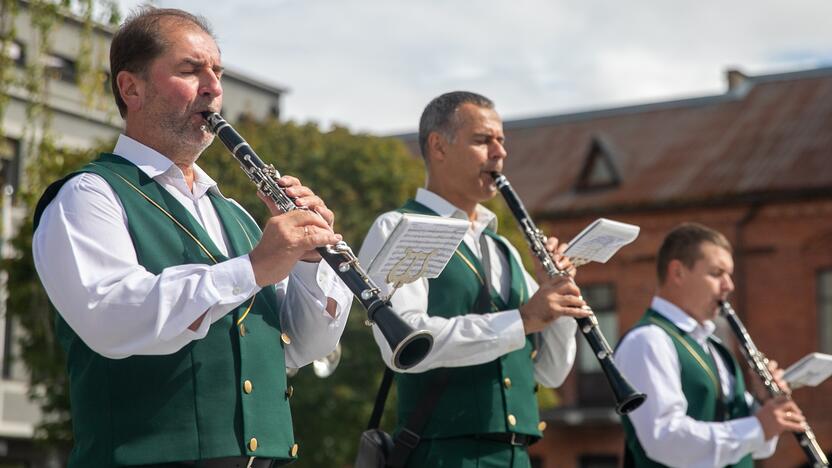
(210, 85)
(727, 284)
(497, 150)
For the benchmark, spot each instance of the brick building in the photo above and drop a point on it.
(754, 163)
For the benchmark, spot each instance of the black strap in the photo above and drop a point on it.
(381, 398)
(408, 438)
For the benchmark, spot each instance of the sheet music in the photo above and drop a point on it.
(419, 246)
(599, 241)
(810, 370)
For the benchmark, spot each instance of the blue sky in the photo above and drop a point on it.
(372, 65)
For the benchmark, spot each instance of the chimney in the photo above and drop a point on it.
(735, 79)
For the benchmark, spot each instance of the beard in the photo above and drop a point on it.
(182, 134)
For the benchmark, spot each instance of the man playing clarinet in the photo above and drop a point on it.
(482, 310)
(177, 315)
(698, 413)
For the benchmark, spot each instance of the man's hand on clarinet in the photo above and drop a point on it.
(556, 297)
(293, 236)
(555, 250)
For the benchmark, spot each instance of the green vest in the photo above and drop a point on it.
(188, 405)
(479, 399)
(700, 384)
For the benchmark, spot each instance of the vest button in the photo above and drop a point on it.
(252, 444)
(290, 390)
(247, 386)
(294, 450)
(242, 329)
(285, 338)
(507, 383)
(512, 420)
(541, 426)
(534, 354)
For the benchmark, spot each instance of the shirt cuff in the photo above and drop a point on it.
(320, 281)
(509, 326)
(749, 432)
(233, 282)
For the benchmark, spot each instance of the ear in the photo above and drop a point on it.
(676, 271)
(131, 87)
(436, 146)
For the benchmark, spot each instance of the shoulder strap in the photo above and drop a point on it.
(408, 438)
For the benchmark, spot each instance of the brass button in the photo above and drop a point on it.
(507, 383)
(541, 426)
(247, 386)
(252, 444)
(290, 390)
(242, 329)
(285, 338)
(512, 420)
(294, 450)
(534, 354)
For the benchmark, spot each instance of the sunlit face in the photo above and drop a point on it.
(707, 282)
(476, 150)
(181, 83)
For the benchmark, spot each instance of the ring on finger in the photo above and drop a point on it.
(789, 414)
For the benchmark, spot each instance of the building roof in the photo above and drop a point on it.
(767, 137)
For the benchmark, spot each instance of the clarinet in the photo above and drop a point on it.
(409, 346)
(759, 364)
(626, 396)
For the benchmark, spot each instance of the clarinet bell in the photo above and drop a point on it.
(409, 346)
(627, 398)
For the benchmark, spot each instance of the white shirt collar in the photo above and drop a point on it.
(485, 217)
(155, 164)
(680, 318)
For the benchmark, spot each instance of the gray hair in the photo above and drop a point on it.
(439, 116)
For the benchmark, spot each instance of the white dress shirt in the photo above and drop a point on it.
(648, 358)
(88, 265)
(471, 339)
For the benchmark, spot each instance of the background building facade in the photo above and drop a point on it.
(754, 163)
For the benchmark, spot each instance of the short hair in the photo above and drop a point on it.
(439, 114)
(139, 41)
(683, 243)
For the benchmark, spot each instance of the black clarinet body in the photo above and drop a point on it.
(626, 396)
(409, 346)
(759, 365)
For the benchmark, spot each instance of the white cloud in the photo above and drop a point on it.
(374, 64)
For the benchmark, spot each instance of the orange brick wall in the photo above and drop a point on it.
(780, 248)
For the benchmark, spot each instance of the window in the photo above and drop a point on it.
(9, 163)
(824, 279)
(593, 389)
(599, 172)
(61, 68)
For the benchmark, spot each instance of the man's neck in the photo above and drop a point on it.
(464, 205)
(185, 162)
(676, 300)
